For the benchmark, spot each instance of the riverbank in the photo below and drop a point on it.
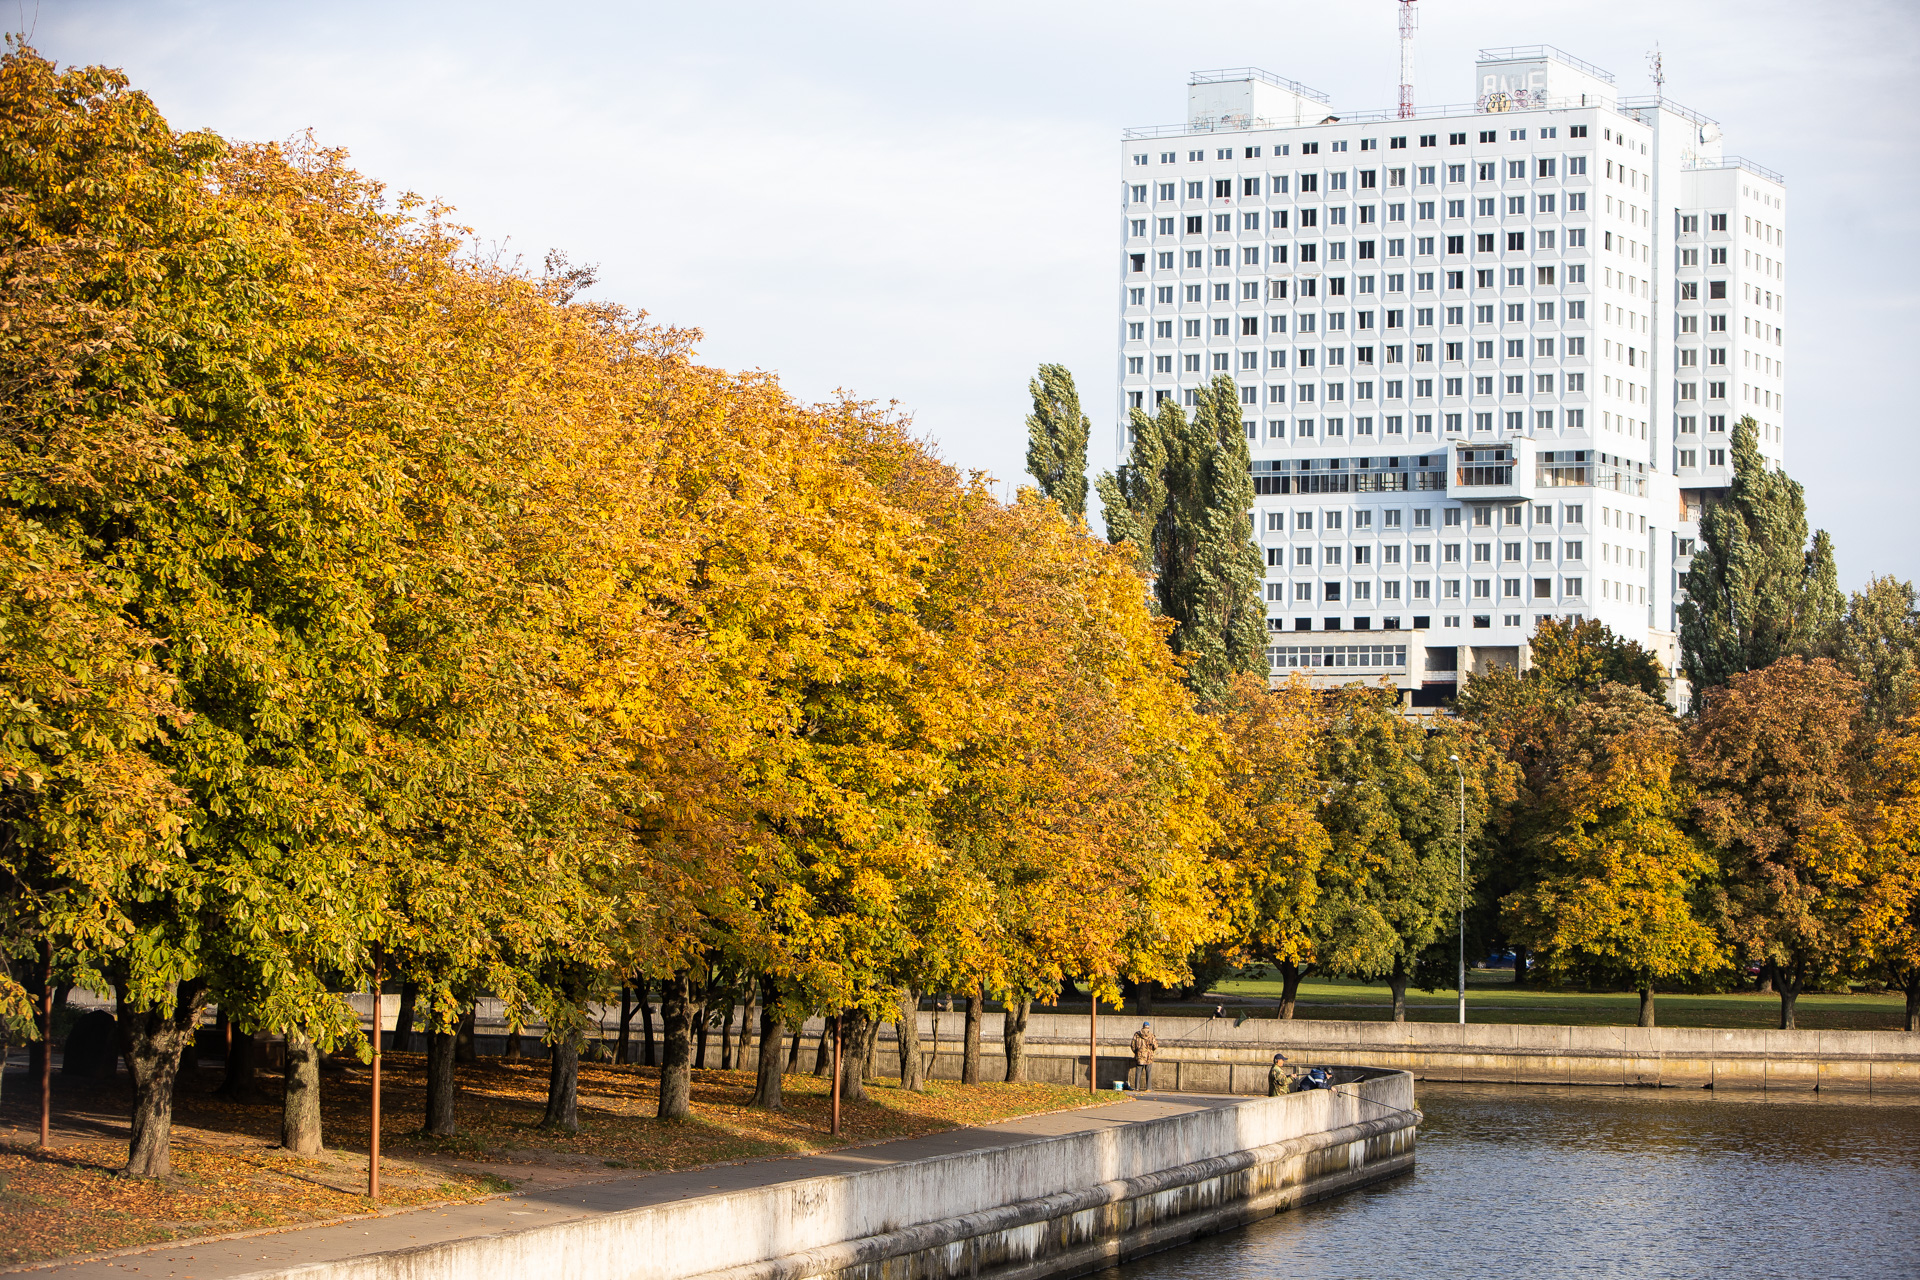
(231, 1175)
(1060, 1194)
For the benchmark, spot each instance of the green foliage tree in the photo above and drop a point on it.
(1756, 590)
(1582, 654)
(1879, 645)
(1057, 433)
(1184, 499)
(1390, 881)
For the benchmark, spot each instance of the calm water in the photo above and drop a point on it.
(1550, 1182)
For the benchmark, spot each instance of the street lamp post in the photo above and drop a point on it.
(1460, 900)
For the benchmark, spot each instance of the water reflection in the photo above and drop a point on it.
(1519, 1181)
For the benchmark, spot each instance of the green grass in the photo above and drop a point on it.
(1492, 997)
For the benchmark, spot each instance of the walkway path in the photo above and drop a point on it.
(268, 1253)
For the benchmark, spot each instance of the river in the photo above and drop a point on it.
(1518, 1181)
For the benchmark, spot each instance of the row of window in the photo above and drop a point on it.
(1255, 151)
(1423, 589)
(1314, 182)
(1423, 317)
(1336, 357)
(1335, 519)
(1309, 286)
(1326, 555)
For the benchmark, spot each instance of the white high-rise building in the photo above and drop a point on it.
(1489, 357)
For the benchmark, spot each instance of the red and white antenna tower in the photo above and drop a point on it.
(1408, 22)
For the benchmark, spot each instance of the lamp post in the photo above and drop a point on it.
(1460, 899)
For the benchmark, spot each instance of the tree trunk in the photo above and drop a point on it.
(1910, 981)
(563, 1085)
(300, 1103)
(870, 1051)
(1789, 987)
(823, 1057)
(646, 1023)
(853, 1083)
(793, 1054)
(726, 1035)
(1397, 983)
(767, 1081)
(1013, 1039)
(700, 1022)
(463, 1047)
(970, 1051)
(623, 1049)
(907, 1024)
(238, 1083)
(1290, 975)
(440, 1084)
(1520, 966)
(676, 1024)
(152, 1039)
(1146, 999)
(403, 1024)
(1646, 1004)
(512, 1052)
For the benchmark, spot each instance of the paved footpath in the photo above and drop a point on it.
(269, 1252)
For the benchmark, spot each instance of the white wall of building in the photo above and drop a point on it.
(1489, 357)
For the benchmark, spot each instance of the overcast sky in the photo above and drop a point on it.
(915, 202)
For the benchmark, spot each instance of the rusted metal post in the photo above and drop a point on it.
(46, 1044)
(373, 1141)
(1093, 1039)
(836, 1073)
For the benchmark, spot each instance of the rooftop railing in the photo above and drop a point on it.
(1741, 162)
(1227, 75)
(1523, 52)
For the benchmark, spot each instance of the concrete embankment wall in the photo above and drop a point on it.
(1060, 1206)
(1221, 1055)
(1214, 1055)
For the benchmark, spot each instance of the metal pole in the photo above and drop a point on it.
(373, 1139)
(1093, 1039)
(1460, 901)
(46, 1043)
(836, 1073)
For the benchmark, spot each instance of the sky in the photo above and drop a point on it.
(916, 203)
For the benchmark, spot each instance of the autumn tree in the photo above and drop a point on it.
(1776, 758)
(1271, 837)
(1886, 925)
(1757, 590)
(1621, 885)
(1184, 500)
(1057, 433)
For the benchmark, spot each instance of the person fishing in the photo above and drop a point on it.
(1279, 1077)
(1144, 1047)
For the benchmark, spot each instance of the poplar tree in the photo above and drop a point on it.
(1879, 644)
(1756, 590)
(1184, 499)
(1057, 440)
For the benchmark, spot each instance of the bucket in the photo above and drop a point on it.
(1119, 1086)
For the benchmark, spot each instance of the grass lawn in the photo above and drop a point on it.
(229, 1176)
(1492, 997)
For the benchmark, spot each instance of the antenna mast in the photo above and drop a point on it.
(1659, 72)
(1408, 21)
